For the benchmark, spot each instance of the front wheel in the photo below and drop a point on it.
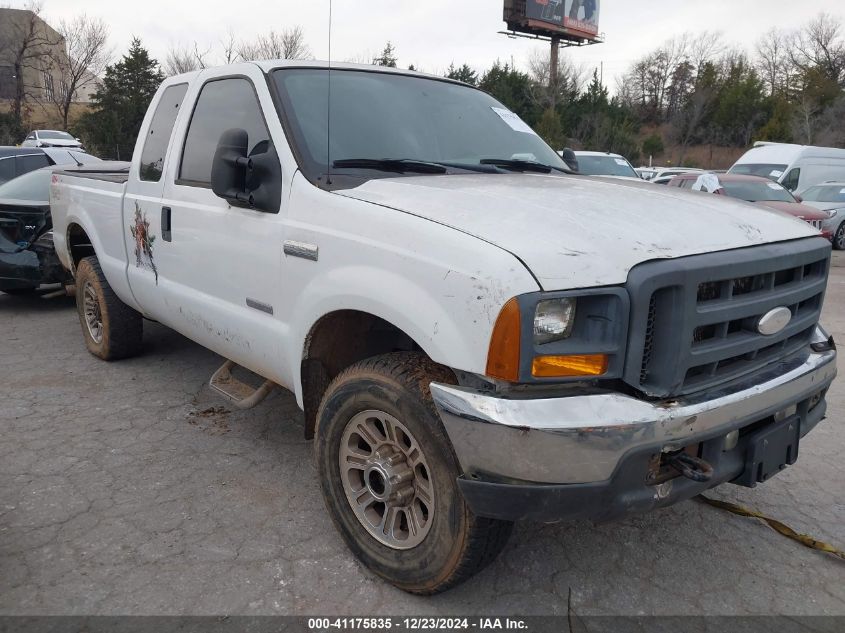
(389, 477)
(839, 238)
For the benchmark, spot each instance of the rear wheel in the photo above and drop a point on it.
(112, 330)
(389, 477)
(839, 238)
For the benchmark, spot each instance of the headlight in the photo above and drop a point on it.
(560, 336)
(553, 320)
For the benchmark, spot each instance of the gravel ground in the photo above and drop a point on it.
(129, 488)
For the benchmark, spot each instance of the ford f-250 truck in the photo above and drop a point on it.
(475, 335)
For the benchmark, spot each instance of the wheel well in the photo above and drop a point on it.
(338, 340)
(78, 244)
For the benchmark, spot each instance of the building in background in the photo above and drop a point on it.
(32, 53)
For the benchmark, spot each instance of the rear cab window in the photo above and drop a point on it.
(160, 131)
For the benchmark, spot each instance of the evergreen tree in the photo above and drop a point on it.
(387, 57)
(120, 103)
(513, 89)
(464, 74)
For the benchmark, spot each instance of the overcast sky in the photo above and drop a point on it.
(431, 34)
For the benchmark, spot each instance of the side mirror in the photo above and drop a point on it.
(799, 198)
(251, 181)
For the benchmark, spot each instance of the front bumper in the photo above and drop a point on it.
(587, 456)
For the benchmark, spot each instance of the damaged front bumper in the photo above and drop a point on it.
(597, 456)
(29, 267)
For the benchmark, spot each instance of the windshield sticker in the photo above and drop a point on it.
(775, 186)
(513, 121)
(775, 173)
(621, 161)
(143, 242)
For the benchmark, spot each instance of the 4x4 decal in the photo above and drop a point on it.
(143, 242)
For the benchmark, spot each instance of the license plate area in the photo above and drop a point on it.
(770, 450)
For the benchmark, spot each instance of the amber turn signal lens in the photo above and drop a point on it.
(503, 355)
(569, 366)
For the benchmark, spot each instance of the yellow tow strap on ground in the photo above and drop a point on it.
(807, 541)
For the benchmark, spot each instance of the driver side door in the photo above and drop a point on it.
(221, 264)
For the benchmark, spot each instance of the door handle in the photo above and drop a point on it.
(166, 234)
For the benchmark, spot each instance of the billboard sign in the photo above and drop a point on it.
(579, 17)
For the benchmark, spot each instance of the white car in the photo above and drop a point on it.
(475, 335)
(830, 198)
(606, 164)
(51, 138)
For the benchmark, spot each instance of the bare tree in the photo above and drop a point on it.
(184, 60)
(230, 47)
(773, 60)
(289, 44)
(547, 90)
(820, 45)
(84, 57)
(28, 45)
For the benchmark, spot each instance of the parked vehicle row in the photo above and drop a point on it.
(754, 189)
(475, 334)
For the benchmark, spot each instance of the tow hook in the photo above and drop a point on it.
(691, 467)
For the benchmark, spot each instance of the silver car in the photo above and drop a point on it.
(830, 198)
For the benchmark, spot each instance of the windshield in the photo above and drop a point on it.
(32, 186)
(757, 191)
(50, 134)
(380, 116)
(766, 170)
(825, 193)
(605, 166)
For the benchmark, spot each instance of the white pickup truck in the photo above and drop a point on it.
(475, 334)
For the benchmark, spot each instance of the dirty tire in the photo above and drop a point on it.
(122, 327)
(458, 543)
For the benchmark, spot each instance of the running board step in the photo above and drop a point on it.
(237, 392)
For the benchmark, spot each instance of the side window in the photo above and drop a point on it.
(31, 162)
(158, 137)
(222, 105)
(7, 169)
(791, 180)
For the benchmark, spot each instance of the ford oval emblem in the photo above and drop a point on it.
(774, 321)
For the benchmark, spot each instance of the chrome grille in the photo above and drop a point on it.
(694, 320)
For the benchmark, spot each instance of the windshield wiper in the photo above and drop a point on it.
(522, 165)
(398, 165)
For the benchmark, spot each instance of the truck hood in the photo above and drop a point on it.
(574, 231)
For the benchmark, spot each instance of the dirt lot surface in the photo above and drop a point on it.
(129, 488)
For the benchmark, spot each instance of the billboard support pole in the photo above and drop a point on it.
(554, 65)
